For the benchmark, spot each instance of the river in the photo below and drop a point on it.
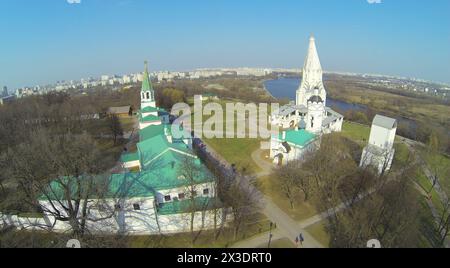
(286, 88)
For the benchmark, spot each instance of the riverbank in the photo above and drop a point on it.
(418, 118)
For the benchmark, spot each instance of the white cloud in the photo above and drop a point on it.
(374, 1)
(74, 1)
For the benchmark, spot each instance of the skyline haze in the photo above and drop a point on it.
(46, 40)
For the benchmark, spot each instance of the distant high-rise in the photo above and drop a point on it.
(5, 91)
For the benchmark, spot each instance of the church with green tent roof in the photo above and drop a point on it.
(152, 195)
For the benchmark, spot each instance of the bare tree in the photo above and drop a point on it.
(443, 227)
(115, 127)
(190, 171)
(287, 179)
(58, 176)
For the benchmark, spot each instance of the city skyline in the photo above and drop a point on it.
(73, 41)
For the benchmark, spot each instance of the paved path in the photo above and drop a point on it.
(285, 224)
(258, 240)
(263, 164)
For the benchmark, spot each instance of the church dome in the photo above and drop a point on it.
(315, 98)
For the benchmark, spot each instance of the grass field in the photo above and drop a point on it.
(237, 151)
(440, 164)
(356, 132)
(318, 231)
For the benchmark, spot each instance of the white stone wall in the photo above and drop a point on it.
(131, 164)
(382, 137)
(143, 221)
(382, 162)
(316, 113)
(24, 223)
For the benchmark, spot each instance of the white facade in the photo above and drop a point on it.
(309, 111)
(380, 151)
(284, 150)
(137, 216)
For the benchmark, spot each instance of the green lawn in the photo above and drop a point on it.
(319, 232)
(356, 132)
(441, 165)
(423, 181)
(237, 151)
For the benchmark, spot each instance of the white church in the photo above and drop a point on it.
(152, 195)
(304, 121)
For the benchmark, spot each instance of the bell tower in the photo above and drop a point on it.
(147, 92)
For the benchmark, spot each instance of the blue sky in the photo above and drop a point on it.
(43, 41)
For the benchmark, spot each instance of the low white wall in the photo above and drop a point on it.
(28, 223)
(131, 164)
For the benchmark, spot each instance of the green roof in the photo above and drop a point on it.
(59, 188)
(151, 131)
(298, 137)
(150, 118)
(146, 82)
(129, 157)
(149, 109)
(152, 148)
(162, 176)
(188, 205)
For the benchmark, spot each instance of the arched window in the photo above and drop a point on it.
(148, 95)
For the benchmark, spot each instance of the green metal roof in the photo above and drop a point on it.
(149, 109)
(146, 82)
(151, 131)
(298, 137)
(150, 118)
(129, 157)
(188, 205)
(163, 175)
(157, 146)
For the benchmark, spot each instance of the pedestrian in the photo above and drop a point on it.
(301, 239)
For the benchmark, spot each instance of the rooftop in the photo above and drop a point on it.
(129, 157)
(384, 122)
(149, 118)
(119, 110)
(297, 137)
(163, 175)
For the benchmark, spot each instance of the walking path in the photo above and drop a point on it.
(258, 240)
(285, 225)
